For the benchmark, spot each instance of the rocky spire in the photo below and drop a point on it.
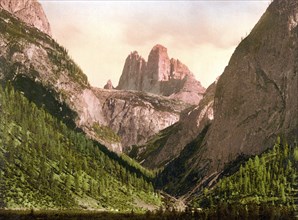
(132, 74)
(158, 68)
(29, 11)
(160, 75)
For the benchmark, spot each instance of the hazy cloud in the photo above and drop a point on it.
(190, 23)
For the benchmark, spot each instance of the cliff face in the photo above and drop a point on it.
(133, 73)
(255, 97)
(136, 116)
(255, 101)
(160, 75)
(29, 11)
(167, 145)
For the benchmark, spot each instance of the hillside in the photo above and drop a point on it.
(46, 165)
(261, 183)
(255, 101)
(168, 144)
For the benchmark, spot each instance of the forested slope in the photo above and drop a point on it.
(44, 164)
(268, 180)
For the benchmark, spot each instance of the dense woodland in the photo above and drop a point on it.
(266, 184)
(44, 164)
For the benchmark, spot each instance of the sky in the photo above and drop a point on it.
(203, 35)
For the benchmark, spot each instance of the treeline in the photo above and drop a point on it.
(227, 212)
(269, 180)
(45, 164)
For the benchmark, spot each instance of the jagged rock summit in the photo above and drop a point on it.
(160, 75)
(29, 11)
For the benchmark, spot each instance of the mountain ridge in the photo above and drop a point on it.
(254, 99)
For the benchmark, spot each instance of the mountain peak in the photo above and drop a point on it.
(29, 11)
(160, 75)
(159, 47)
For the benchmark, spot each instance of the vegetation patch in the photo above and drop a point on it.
(105, 133)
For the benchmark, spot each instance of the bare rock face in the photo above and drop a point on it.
(136, 116)
(109, 85)
(29, 11)
(157, 71)
(255, 101)
(170, 142)
(133, 73)
(261, 102)
(160, 75)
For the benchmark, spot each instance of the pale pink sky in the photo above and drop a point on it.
(99, 35)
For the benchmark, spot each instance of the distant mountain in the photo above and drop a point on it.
(48, 112)
(29, 11)
(255, 101)
(160, 75)
(44, 72)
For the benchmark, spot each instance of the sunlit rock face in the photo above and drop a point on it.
(256, 96)
(173, 140)
(255, 100)
(29, 11)
(160, 75)
(136, 116)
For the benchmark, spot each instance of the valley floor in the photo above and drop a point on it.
(235, 212)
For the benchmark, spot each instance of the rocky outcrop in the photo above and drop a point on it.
(160, 75)
(255, 98)
(29, 11)
(255, 101)
(166, 145)
(109, 85)
(136, 116)
(133, 73)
